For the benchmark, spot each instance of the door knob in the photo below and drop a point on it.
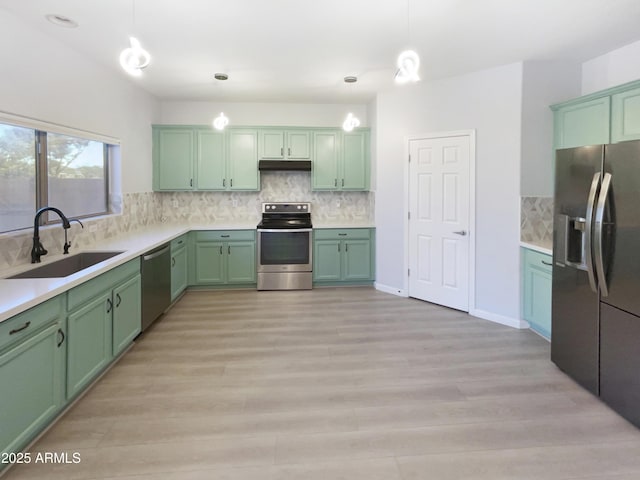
(461, 232)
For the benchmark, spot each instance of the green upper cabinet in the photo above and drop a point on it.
(582, 123)
(341, 161)
(210, 160)
(284, 144)
(625, 116)
(243, 159)
(173, 157)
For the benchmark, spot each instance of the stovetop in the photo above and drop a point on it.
(281, 215)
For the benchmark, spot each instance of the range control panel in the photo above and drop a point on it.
(282, 207)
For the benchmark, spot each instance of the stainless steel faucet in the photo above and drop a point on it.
(38, 250)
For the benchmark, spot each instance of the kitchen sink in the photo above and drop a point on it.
(67, 266)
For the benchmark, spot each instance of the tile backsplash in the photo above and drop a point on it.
(138, 210)
(536, 220)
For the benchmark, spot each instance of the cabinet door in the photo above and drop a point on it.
(178, 272)
(173, 153)
(298, 145)
(32, 379)
(243, 160)
(211, 174)
(209, 264)
(241, 262)
(356, 260)
(127, 314)
(324, 174)
(355, 161)
(625, 116)
(271, 144)
(582, 124)
(326, 260)
(88, 342)
(537, 284)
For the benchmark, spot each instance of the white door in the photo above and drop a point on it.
(439, 220)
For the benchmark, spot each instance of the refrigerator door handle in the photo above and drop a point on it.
(597, 234)
(588, 230)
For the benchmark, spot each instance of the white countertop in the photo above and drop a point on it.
(342, 225)
(546, 249)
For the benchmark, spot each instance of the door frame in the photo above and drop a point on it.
(471, 134)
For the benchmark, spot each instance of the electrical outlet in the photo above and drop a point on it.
(234, 202)
(175, 204)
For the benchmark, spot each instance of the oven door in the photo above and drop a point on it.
(284, 250)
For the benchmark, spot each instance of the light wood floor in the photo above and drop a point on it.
(339, 384)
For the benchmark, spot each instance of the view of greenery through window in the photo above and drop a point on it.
(71, 177)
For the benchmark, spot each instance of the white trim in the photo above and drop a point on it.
(472, 206)
(28, 122)
(392, 290)
(501, 319)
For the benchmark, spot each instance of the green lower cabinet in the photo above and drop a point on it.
(209, 263)
(178, 271)
(343, 256)
(222, 258)
(32, 377)
(89, 342)
(127, 312)
(536, 294)
(241, 262)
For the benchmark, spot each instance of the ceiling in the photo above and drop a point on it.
(300, 50)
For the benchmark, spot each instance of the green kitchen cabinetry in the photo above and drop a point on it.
(210, 160)
(104, 316)
(223, 258)
(242, 159)
(625, 116)
(343, 256)
(277, 144)
(341, 161)
(536, 290)
(179, 277)
(32, 373)
(173, 158)
(582, 123)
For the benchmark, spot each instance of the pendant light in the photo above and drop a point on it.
(408, 61)
(220, 121)
(351, 121)
(134, 58)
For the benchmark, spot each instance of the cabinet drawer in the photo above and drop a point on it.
(26, 323)
(179, 242)
(82, 293)
(342, 233)
(224, 235)
(538, 260)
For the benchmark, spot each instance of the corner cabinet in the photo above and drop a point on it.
(536, 290)
(222, 258)
(32, 373)
(341, 160)
(343, 256)
(199, 158)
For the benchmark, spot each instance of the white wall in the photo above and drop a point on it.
(611, 69)
(45, 80)
(543, 83)
(488, 101)
(261, 114)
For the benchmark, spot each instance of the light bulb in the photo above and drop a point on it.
(408, 65)
(134, 58)
(220, 121)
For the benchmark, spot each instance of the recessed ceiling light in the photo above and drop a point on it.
(62, 21)
(221, 76)
(350, 79)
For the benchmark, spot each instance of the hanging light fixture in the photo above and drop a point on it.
(351, 121)
(134, 58)
(408, 61)
(220, 121)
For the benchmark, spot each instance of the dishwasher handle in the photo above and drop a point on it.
(156, 253)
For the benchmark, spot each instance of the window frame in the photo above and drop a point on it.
(41, 193)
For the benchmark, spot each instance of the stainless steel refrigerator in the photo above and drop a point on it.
(595, 326)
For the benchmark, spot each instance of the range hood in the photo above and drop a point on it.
(299, 165)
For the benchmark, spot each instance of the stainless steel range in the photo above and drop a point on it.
(285, 247)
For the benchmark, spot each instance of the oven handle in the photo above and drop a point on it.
(284, 230)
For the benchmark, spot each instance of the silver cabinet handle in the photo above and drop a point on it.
(591, 202)
(597, 234)
(461, 232)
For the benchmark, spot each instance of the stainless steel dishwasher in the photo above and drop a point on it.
(156, 284)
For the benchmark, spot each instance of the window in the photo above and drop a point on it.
(39, 168)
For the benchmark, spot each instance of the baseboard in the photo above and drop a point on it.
(392, 290)
(501, 319)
